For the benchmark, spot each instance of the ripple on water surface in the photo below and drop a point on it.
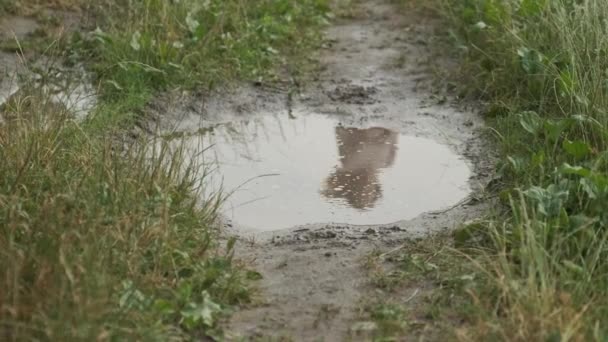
(287, 172)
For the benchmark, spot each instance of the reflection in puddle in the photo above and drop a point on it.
(363, 153)
(287, 172)
(71, 89)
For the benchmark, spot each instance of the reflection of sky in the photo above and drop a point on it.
(298, 158)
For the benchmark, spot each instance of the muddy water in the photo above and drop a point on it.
(283, 172)
(70, 87)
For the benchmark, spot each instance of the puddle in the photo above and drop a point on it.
(8, 80)
(79, 99)
(70, 88)
(287, 172)
(8, 87)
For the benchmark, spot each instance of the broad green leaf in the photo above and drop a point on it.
(204, 313)
(135, 38)
(568, 169)
(164, 307)
(531, 60)
(590, 187)
(185, 291)
(578, 149)
(530, 121)
(192, 23)
(554, 128)
(548, 201)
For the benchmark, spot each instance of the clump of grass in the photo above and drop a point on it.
(541, 67)
(145, 46)
(101, 241)
(136, 49)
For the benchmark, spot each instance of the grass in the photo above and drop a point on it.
(135, 49)
(421, 290)
(97, 244)
(540, 261)
(158, 45)
(103, 239)
(535, 269)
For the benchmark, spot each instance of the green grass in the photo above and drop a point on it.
(103, 242)
(138, 48)
(158, 45)
(103, 239)
(536, 268)
(540, 67)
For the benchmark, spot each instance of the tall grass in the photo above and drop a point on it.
(541, 67)
(101, 242)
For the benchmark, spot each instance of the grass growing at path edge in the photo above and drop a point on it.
(101, 241)
(541, 68)
(157, 45)
(101, 245)
(537, 268)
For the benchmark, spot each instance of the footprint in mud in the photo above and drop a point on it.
(353, 94)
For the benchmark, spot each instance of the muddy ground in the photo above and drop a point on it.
(377, 66)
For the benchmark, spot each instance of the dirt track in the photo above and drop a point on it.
(377, 67)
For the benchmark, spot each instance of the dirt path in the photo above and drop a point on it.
(376, 68)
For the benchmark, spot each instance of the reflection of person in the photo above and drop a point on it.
(362, 153)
